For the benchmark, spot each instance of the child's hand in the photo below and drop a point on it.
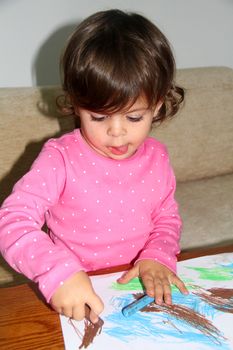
(71, 297)
(156, 279)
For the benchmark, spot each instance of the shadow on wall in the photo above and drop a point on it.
(47, 77)
(45, 68)
(45, 72)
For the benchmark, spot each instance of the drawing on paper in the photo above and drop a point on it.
(202, 320)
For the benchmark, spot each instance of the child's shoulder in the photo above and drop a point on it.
(153, 145)
(157, 153)
(63, 141)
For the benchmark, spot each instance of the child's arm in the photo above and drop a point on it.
(156, 264)
(23, 244)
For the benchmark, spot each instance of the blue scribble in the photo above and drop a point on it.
(162, 326)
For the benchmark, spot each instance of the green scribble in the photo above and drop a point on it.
(186, 280)
(214, 273)
(134, 284)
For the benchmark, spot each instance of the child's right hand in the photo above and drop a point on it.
(72, 297)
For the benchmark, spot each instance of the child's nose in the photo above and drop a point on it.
(116, 127)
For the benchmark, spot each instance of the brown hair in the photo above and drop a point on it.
(114, 57)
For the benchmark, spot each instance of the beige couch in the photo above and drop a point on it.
(200, 141)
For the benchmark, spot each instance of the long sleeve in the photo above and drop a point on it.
(99, 212)
(163, 242)
(24, 245)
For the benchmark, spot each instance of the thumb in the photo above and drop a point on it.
(93, 317)
(128, 275)
(96, 307)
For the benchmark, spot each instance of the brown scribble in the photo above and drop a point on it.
(188, 315)
(77, 331)
(219, 298)
(173, 325)
(90, 332)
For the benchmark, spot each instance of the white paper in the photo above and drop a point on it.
(209, 327)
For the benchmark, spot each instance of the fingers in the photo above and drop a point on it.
(74, 295)
(76, 312)
(149, 284)
(167, 293)
(159, 288)
(180, 285)
(91, 310)
(96, 307)
(157, 280)
(93, 317)
(80, 311)
(129, 275)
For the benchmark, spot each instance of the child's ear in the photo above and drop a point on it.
(77, 120)
(157, 107)
(76, 111)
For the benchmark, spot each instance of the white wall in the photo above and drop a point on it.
(32, 33)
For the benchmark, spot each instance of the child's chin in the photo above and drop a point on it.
(121, 156)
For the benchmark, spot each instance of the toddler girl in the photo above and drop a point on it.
(106, 190)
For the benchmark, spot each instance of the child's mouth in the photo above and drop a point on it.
(119, 150)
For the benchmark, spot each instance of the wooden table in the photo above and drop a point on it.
(27, 323)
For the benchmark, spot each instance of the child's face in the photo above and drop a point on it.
(118, 135)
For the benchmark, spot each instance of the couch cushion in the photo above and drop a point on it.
(206, 207)
(28, 117)
(200, 137)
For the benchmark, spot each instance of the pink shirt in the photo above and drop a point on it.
(100, 212)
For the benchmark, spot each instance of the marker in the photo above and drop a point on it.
(137, 305)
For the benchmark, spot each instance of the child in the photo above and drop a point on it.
(106, 190)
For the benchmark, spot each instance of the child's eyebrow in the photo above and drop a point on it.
(142, 109)
(137, 110)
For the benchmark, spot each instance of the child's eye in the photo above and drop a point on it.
(134, 118)
(98, 118)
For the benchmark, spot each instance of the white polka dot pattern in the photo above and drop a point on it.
(100, 212)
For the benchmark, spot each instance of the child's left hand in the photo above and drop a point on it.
(156, 278)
